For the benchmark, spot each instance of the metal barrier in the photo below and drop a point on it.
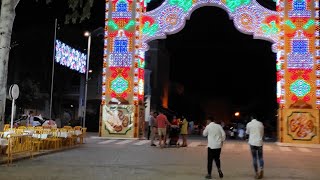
(18, 144)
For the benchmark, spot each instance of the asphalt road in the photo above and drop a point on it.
(102, 159)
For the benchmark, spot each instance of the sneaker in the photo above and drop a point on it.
(208, 176)
(257, 176)
(261, 174)
(153, 145)
(220, 173)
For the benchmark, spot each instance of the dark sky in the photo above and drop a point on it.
(213, 60)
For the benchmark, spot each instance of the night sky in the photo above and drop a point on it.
(212, 59)
(242, 70)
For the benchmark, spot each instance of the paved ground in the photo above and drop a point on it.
(101, 159)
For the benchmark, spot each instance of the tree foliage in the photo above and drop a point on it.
(29, 93)
(80, 11)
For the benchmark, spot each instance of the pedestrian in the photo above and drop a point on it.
(255, 130)
(175, 121)
(191, 124)
(216, 136)
(162, 123)
(150, 117)
(153, 124)
(30, 119)
(184, 131)
(241, 133)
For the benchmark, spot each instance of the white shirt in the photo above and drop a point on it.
(255, 130)
(216, 135)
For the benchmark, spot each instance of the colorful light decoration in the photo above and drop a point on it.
(293, 28)
(300, 88)
(119, 85)
(298, 27)
(122, 79)
(70, 57)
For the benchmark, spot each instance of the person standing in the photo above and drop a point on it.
(30, 119)
(191, 123)
(175, 121)
(216, 136)
(184, 131)
(153, 125)
(255, 130)
(162, 123)
(149, 124)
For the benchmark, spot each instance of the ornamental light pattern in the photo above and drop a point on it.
(293, 29)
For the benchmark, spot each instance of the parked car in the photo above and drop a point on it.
(22, 121)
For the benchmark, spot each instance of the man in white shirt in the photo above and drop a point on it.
(216, 136)
(255, 130)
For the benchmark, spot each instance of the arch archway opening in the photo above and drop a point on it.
(220, 69)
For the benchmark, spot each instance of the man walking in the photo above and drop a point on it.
(216, 136)
(153, 126)
(255, 130)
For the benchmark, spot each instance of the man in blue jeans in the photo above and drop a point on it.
(255, 130)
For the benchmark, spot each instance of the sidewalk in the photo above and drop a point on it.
(26, 155)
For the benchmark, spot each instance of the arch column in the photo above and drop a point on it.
(123, 71)
(298, 71)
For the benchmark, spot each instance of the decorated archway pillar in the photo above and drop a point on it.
(122, 108)
(298, 65)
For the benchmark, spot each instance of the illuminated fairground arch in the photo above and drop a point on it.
(249, 18)
(293, 29)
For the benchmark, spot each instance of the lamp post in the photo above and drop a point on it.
(87, 34)
(52, 70)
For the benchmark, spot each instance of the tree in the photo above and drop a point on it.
(29, 94)
(80, 11)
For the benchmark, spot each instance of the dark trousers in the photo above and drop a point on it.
(149, 132)
(257, 156)
(213, 154)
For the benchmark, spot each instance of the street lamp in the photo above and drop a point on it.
(86, 34)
